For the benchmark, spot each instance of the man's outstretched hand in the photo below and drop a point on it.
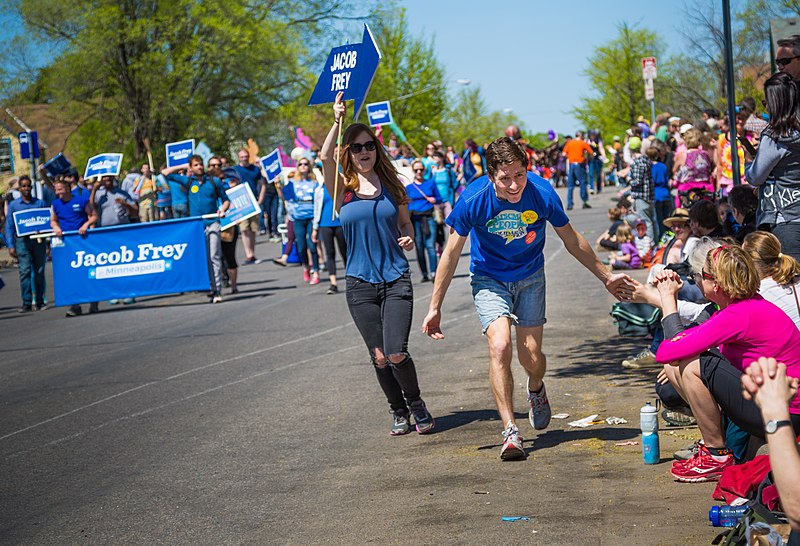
(430, 326)
(621, 286)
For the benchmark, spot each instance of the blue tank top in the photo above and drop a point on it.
(72, 214)
(327, 211)
(371, 233)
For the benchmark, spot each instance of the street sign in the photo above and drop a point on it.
(379, 113)
(649, 92)
(649, 68)
(28, 145)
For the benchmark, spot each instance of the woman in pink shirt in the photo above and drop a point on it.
(746, 327)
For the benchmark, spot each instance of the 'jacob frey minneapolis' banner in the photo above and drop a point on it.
(130, 261)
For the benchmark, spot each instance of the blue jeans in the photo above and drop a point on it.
(180, 210)
(302, 233)
(425, 241)
(596, 174)
(270, 208)
(576, 172)
(32, 256)
(522, 301)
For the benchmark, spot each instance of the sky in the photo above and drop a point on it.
(529, 55)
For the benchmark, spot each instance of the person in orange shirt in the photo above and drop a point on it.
(577, 151)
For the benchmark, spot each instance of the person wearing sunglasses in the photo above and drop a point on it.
(372, 205)
(787, 57)
(775, 171)
(423, 197)
(705, 363)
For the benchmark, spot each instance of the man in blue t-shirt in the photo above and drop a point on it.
(207, 198)
(506, 215)
(72, 211)
(251, 174)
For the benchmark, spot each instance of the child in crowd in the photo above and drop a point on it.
(628, 256)
(644, 244)
(608, 239)
(661, 196)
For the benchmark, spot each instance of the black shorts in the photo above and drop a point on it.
(724, 381)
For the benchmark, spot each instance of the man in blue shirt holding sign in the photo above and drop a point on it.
(506, 215)
(31, 254)
(205, 192)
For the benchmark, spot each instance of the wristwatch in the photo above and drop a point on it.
(773, 425)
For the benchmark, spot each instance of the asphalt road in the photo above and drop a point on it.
(259, 421)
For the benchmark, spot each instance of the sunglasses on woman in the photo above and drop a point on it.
(368, 146)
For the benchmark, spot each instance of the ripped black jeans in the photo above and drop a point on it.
(382, 313)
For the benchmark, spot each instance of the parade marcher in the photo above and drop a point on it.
(30, 253)
(145, 190)
(179, 194)
(114, 207)
(446, 182)
(329, 229)
(229, 237)
(205, 192)
(299, 193)
(377, 228)
(251, 175)
(473, 161)
(423, 197)
(506, 213)
(72, 211)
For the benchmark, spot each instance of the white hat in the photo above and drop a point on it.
(685, 127)
(674, 118)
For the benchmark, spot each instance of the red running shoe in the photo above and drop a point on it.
(703, 467)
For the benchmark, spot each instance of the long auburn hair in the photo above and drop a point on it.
(383, 165)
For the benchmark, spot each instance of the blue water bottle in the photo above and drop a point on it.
(726, 516)
(648, 422)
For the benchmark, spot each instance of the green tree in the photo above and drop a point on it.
(217, 70)
(470, 117)
(615, 77)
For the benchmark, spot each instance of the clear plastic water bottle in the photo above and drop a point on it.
(648, 422)
(726, 516)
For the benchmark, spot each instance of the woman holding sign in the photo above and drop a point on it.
(373, 210)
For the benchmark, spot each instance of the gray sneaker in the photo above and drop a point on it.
(422, 417)
(679, 417)
(539, 413)
(401, 425)
(512, 444)
(645, 359)
(688, 452)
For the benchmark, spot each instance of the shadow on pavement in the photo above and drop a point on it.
(460, 418)
(596, 358)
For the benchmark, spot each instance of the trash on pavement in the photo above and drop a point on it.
(585, 422)
(615, 420)
(516, 518)
(560, 416)
(631, 443)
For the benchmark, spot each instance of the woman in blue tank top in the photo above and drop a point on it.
(373, 210)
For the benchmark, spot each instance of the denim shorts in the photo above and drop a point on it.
(522, 301)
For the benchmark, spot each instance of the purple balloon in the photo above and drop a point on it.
(551, 135)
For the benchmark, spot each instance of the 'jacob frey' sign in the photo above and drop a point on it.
(178, 153)
(129, 261)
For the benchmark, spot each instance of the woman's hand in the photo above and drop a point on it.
(315, 236)
(668, 282)
(765, 383)
(339, 108)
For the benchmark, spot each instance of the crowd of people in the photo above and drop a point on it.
(722, 253)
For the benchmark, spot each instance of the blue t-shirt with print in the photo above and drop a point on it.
(507, 239)
(72, 214)
(301, 194)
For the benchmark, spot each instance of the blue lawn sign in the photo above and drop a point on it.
(178, 153)
(379, 113)
(244, 205)
(28, 145)
(58, 165)
(272, 164)
(31, 221)
(103, 165)
(132, 260)
(349, 68)
(204, 151)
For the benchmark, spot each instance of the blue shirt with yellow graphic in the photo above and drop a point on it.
(507, 239)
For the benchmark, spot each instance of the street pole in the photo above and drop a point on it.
(652, 111)
(732, 133)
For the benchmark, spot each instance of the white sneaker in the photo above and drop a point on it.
(645, 359)
(512, 446)
(216, 299)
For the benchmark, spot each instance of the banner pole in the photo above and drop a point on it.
(336, 176)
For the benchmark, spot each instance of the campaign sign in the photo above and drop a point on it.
(244, 205)
(30, 221)
(272, 164)
(379, 113)
(58, 165)
(103, 165)
(128, 261)
(349, 68)
(178, 153)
